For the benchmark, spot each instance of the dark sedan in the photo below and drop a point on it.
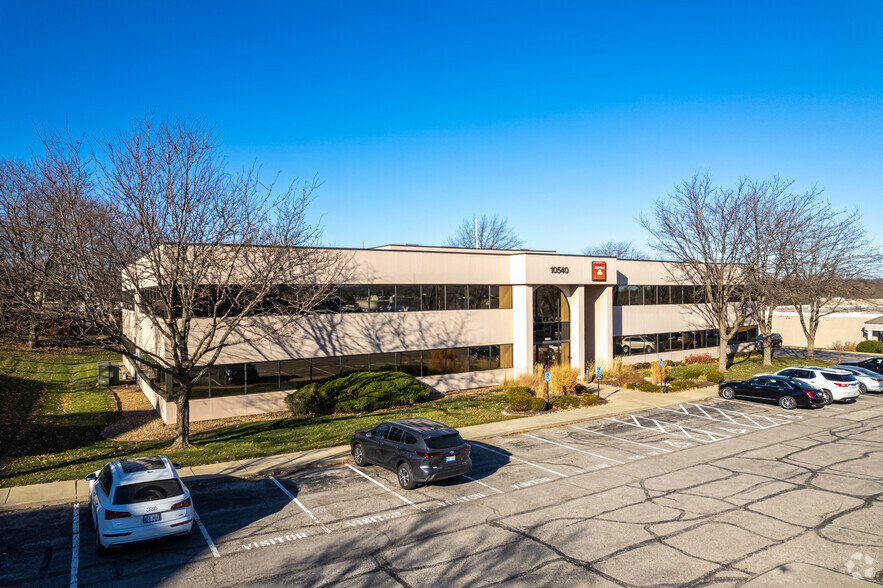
(418, 450)
(875, 364)
(786, 392)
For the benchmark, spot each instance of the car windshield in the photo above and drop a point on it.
(147, 491)
(838, 377)
(444, 441)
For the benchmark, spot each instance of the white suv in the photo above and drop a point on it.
(637, 344)
(138, 499)
(835, 384)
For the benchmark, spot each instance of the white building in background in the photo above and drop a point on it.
(461, 318)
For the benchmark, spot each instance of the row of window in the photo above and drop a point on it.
(640, 295)
(270, 376)
(349, 298)
(678, 341)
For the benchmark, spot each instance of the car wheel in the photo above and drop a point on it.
(828, 397)
(405, 476)
(788, 402)
(626, 350)
(862, 388)
(359, 455)
(728, 393)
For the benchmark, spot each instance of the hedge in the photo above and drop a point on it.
(714, 376)
(692, 373)
(358, 392)
(870, 346)
(520, 398)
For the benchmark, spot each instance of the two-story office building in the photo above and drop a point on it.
(461, 318)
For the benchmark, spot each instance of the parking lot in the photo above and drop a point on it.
(722, 492)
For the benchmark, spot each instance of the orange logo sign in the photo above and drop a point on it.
(599, 271)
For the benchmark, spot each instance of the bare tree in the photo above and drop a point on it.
(618, 249)
(830, 259)
(774, 215)
(198, 258)
(485, 232)
(703, 230)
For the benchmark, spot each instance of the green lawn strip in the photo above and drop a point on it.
(248, 439)
(741, 368)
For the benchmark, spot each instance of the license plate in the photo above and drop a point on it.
(151, 518)
(451, 458)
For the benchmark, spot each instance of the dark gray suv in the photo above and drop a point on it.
(418, 450)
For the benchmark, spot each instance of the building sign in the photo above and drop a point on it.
(599, 271)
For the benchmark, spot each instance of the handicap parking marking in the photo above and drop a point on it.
(384, 486)
(621, 439)
(300, 504)
(667, 428)
(572, 448)
(761, 406)
(205, 534)
(75, 547)
(735, 419)
(512, 457)
(483, 484)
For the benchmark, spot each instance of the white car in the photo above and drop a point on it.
(835, 384)
(138, 499)
(868, 381)
(632, 344)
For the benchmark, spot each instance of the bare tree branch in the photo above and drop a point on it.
(493, 233)
(618, 249)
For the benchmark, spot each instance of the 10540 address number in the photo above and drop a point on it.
(557, 269)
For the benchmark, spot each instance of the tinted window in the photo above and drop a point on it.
(105, 479)
(147, 491)
(381, 430)
(444, 441)
(409, 439)
(432, 299)
(407, 298)
(789, 373)
(479, 296)
(838, 377)
(756, 381)
(455, 297)
(395, 435)
(776, 382)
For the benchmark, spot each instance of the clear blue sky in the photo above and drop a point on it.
(569, 118)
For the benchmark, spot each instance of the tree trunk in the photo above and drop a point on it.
(768, 353)
(182, 425)
(810, 344)
(32, 335)
(722, 355)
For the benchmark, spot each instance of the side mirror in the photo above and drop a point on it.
(369, 434)
(91, 477)
(177, 466)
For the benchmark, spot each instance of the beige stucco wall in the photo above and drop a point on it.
(842, 327)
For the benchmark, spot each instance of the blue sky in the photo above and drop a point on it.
(569, 118)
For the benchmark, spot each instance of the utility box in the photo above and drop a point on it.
(108, 374)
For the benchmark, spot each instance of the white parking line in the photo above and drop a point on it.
(720, 415)
(572, 448)
(483, 484)
(205, 534)
(370, 479)
(520, 460)
(75, 548)
(621, 439)
(300, 504)
(676, 429)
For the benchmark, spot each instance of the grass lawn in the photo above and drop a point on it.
(63, 442)
(742, 368)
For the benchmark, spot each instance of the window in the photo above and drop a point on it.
(636, 295)
(324, 367)
(409, 439)
(457, 360)
(381, 298)
(455, 297)
(506, 356)
(444, 441)
(501, 296)
(650, 295)
(480, 358)
(383, 362)
(395, 435)
(355, 363)
(663, 294)
(407, 298)
(479, 297)
(353, 298)
(620, 296)
(410, 362)
(148, 491)
(381, 430)
(433, 297)
(105, 479)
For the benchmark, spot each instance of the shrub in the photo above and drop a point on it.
(641, 365)
(358, 392)
(630, 378)
(657, 373)
(520, 398)
(714, 376)
(583, 399)
(691, 373)
(589, 399)
(699, 358)
(648, 387)
(679, 385)
(538, 404)
(869, 347)
(632, 386)
(563, 380)
(668, 363)
(616, 369)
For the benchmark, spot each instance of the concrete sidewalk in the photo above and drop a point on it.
(620, 401)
